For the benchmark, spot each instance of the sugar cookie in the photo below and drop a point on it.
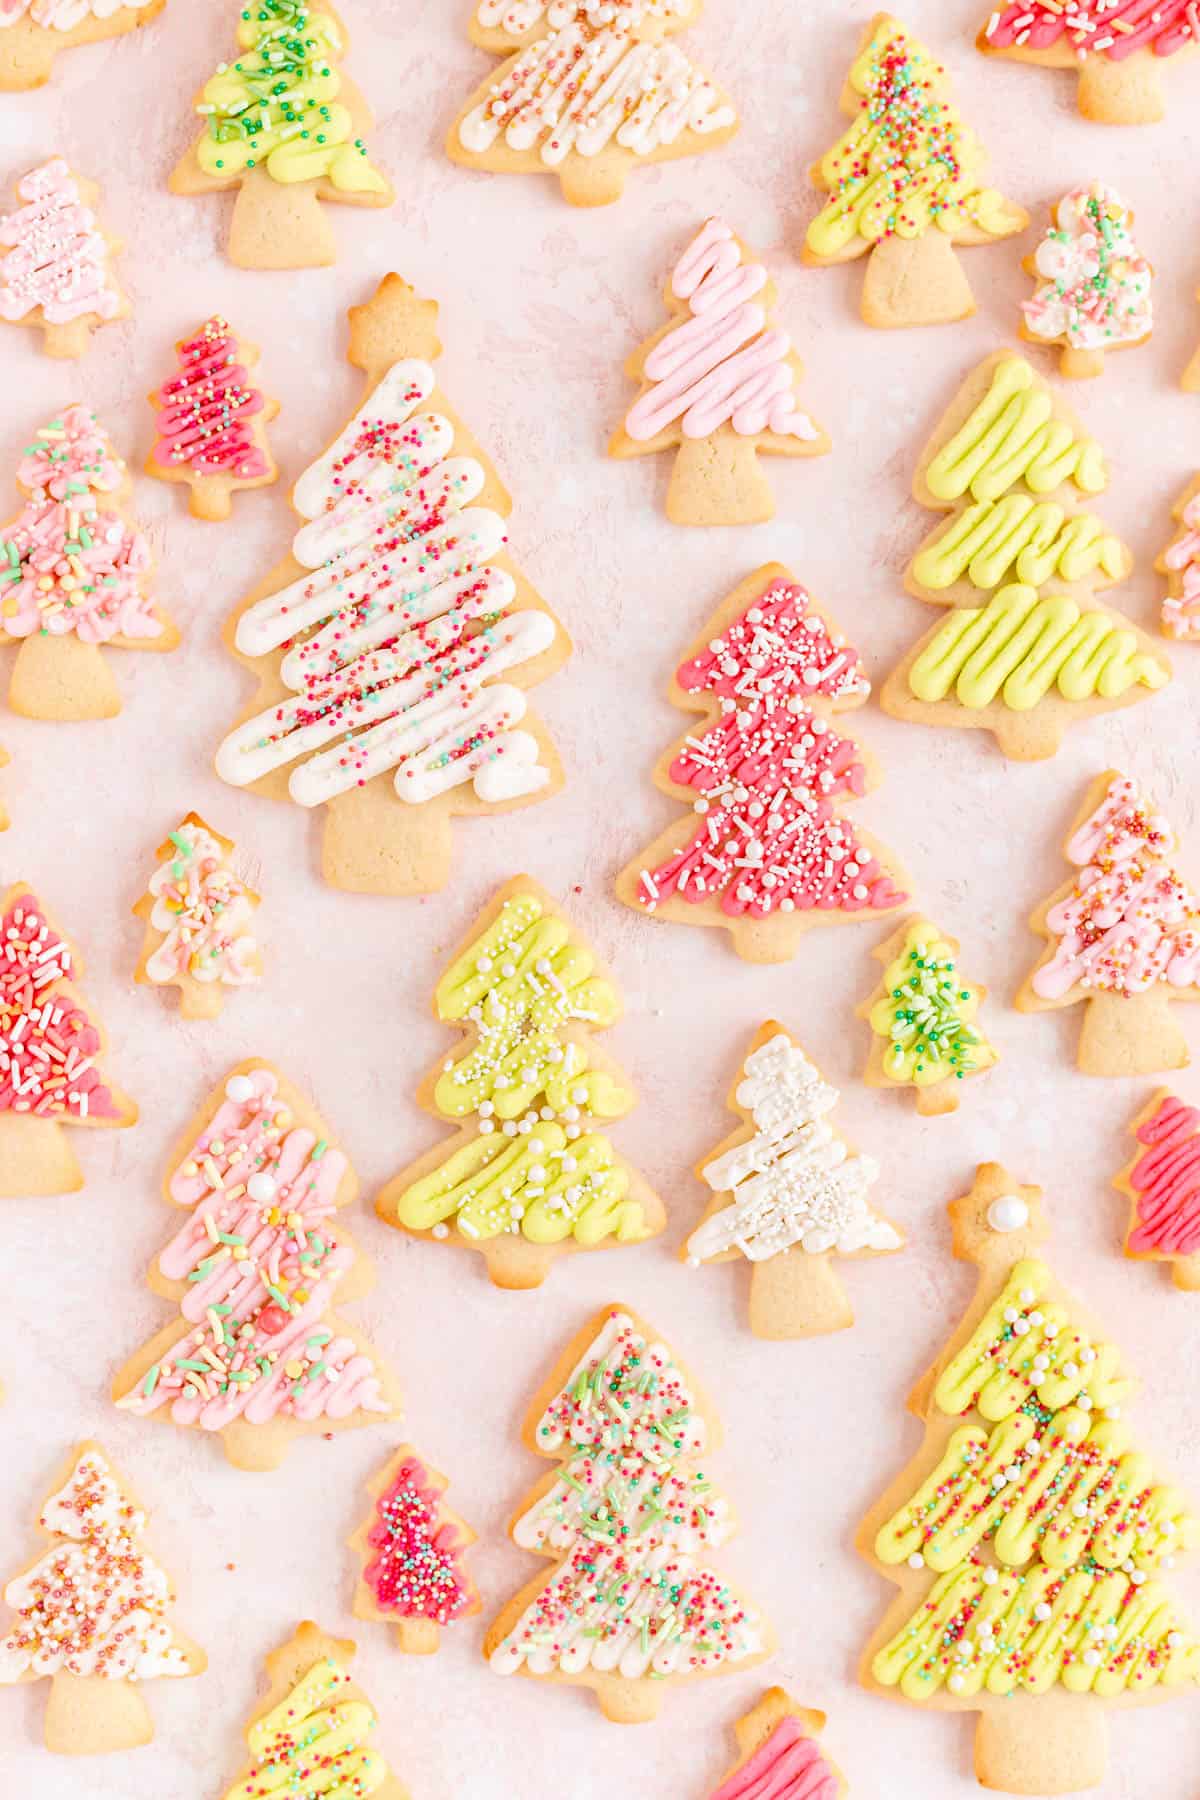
(32, 32)
(779, 1757)
(1117, 48)
(199, 917)
(1180, 563)
(212, 422)
(923, 1018)
(414, 1574)
(56, 260)
(1162, 1183)
(1093, 290)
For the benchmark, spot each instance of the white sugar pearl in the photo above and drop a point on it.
(239, 1089)
(1021, 1328)
(1052, 1329)
(1174, 1640)
(1008, 1212)
(1088, 1355)
(956, 1684)
(1041, 1364)
(1042, 1612)
(1011, 1315)
(1092, 1658)
(990, 1578)
(916, 1560)
(1037, 1318)
(1080, 1509)
(441, 1231)
(261, 1188)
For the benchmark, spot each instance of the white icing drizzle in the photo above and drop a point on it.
(794, 1182)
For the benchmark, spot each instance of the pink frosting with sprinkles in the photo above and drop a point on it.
(415, 1569)
(1114, 28)
(48, 1044)
(57, 256)
(206, 411)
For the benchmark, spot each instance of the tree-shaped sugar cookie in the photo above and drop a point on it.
(905, 186)
(315, 1731)
(924, 1030)
(414, 1573)
(32, 32)
(1162, 1182)
(286, 127)
(212, 421)
(256, 1352)
(199, 917)
(718, 386)
(1117, 47)
(591, 90)
(530, 1174)
(788, 1194)
(56, 260)
(76, 573)
(93, 1612)
(52, 1055)
(1093, 290)
(779, 1757)
(393, 645)
(1028, 650)
(1123, 935)
(1180, 562)
(630, 1520)
(1029, 1536)
(767, 853)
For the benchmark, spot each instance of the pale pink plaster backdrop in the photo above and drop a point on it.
(540, 306)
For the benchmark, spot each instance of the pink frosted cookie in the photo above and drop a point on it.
(1117, 47)
(780, 1758)
(212, 421)
(56, 260)
(1180, 563)
(414, 1573)
(1093, 284)
(32, 32)
(1162, 1182)
(199, 916)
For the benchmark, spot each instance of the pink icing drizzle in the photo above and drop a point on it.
(47, 1042)
(1166, 1180)
(57, 256)
(1162, 25)
(722, 365)
(1130, 921)
(789, 1766)
(206, 409)
(765, 772)
(1181, 612)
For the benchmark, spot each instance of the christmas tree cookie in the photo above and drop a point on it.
(212, 421)
(1180, 562)
(779, 1757)
(591, 90)
(1162, 1183)
(1117, 47)
(1093, 284)
(78, 574)
(314, 1733)
(286, 127)
(530, 1174)
(378, 642)
(1122, 935)
(631, 1604)
(1027, 651)
(93, 1613)
(199, 920)
(414, 1573)
(256, 1353)
(788, 1194)
(718, 385)
(924, 1030)
(51, 1055)
(767, 853)
(905, 186)
(56, 259)
(32, 32)
(1030, 1538)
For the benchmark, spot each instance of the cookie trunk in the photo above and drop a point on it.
(629, 1702)
(88, 1716)
(915, 281)
(280, 225)
(1053, 1743)
(1134, 1035)
(1080, 365)
(62, 678)
(211, 498)
(417, 1637)
(1185, 1273)
(795, 1295)
(200, 999)
(29, 61)
(717, 481)
(1121, 93)
(67, 343)
(1191, 376)
(375, 843)
(36, 1158)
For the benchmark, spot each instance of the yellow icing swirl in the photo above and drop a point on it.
(1019, 647)
(312, 1743)
(1013, 436)
(1022, 537)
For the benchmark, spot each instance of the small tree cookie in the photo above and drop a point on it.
(1190, 380)
(629, 1521)
(530, 1174)
(592, 90)
(1028, 1537)
(1180, 562)
(779, 1757)
(256, 1354)
(1162, 1182)
(93, 1613)
(379, 643)
(212, 422)
(718, 385)
(1123, 935)
(32, 32)
(1093, 284)
(285, 127)
(922, 1016)
(51, 1054)
(199, 920)
(905, 186)
(788, 1194)
(79, 574)
(767, 853)
(313, 1700)
(1117, 48)
(414, 1573)
(56, 260)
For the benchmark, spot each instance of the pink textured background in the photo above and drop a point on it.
(540, 305)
